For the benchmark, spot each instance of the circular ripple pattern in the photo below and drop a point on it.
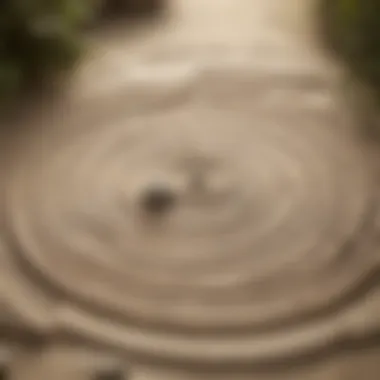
(261, 235)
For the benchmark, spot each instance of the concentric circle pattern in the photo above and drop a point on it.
(258, 256)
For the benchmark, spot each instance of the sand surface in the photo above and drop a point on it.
(265, 265)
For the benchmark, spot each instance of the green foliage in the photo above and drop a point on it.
(37, 39)
(352, 30)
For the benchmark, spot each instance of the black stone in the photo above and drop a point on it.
(158, 200)
(110, 374)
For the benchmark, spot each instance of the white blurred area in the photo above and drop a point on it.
(239, 21)
(196, 29)
(226, 21)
